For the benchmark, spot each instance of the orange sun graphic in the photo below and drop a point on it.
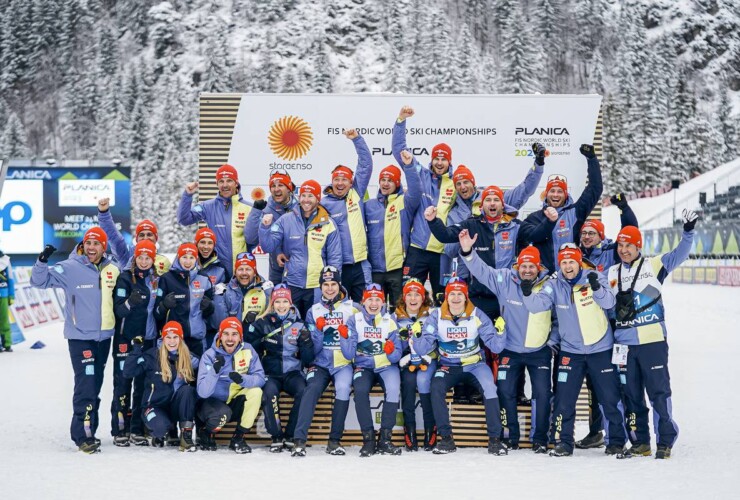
(290, 138)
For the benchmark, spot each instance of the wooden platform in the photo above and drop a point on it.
(468, 422)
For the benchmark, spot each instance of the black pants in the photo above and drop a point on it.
(195, 346)
(125, 408)
(303, 299)
(392, 283)
(410, 381)
(317, 380)
(353, 279)
(294, 384)
(161, 419)
(421, 264)
(89, 358)
(363, 381)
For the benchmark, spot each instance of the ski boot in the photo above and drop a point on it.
(277, 445)
(334, 448)
(561, 450)
(614, 449)
(445, 445)
(637, 450)
(288, 443)
(510, 445)
(239, 445)
(430, 438)
(138, 440)
(496, 447)
(186, 439)
(121, 440)
(385, 446)
(410, 439)
(158, 442)
(663, 452)
(539, 449)
(90, 446)
(9, 349)
(206, 440)
(299, 448)
(592, 440)
(172, 438)
(368, 444)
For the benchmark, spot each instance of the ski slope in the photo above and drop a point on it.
(37, 458)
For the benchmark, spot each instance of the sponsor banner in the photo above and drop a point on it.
(728, 275)
(708, 275)
(33, 307)
(492, 135)
(710, 239)
(56, 205)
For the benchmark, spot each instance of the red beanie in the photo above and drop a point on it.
(145, 247)
(557, 181)
(281, 291)
(96, 234)
(187, 248)
(392, 173)
(342, 171)
(630, 234)
(147, 225)
(172, 327)
(456, 285)
(231, 322)
(205, 232)
(442, 150)
(226, 172)
(373, 290)
(529, 254)
(463, 172)
(596, 225)
(492, 190)
(570, 252)
(312, 187)
(282, 178)
(245, 259)
(414, 285)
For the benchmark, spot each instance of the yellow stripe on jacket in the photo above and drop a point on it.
(108, 276)
(392, 237)
(315, 242)
(356, 224)
(591, 317)
(444, 205)
(239, 213)
(254, 300)
(538, 325)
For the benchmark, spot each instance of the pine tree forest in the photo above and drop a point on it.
(102, 79)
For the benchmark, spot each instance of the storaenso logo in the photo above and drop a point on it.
(541, 131)
(11, 217)
(30, 174)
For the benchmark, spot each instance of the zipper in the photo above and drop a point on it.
(149, 401)
(74, 310)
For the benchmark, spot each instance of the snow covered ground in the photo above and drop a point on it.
(37, 458)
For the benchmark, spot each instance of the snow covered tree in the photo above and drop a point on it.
(13, 139)
(165, 28)
(521, 66)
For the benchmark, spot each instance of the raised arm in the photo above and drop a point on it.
(188, 214)
(591, 195)
(364, 170)
(517, 196)
(118, 245)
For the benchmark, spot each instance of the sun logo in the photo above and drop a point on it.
(290, 138)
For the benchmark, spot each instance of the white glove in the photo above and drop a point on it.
(689, 219)
(219, 289)
(404, 361)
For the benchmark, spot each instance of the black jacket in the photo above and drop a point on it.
(279, 343)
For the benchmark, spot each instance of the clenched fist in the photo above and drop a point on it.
(406, 112)
(103, 204)
(191, 187)
(551, 214)
(406, 157)
(430, 213)
(267, 220)
(351, 134)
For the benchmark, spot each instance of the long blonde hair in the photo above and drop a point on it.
(184, 365)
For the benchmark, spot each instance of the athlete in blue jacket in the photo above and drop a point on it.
(285, 347)
(169, 374)
(371, 339)
(230, 380)
(344, 199)
(457, 329)
(309, 239)
(88, 278)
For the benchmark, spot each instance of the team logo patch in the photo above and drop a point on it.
(504, 361)
(87, 354)
(109, 275)
(563, 377)
(600, 267)
(392, 209)
(255, 300)
(196, 284)
(584, 291)
(122, 347)
(505, 236)
(562, 223)
(565, 361)
(242, 363)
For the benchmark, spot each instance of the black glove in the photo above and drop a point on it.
(137, 341)
(218, 363)
(169, 301)
(48, 250)
(259, 204)
(305, 335)
(539, 153)
(587, 150)
(136, 298)
(236, 378)
(619, 199)
(250, 317)
(403, 333)
(205, 303)
(593, 280)
(526, 287)
(689, 220)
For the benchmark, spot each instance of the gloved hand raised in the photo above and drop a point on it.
(526, 286)
(250, 317)
(593, 280)
(205, 303)
(587, 150)
(169, 301)
(389, 347)
(689, 220)
(48, 251)
(343, 331)
(320, 323)
(259, 204)
(539, 151)
(218, 363)
(619, 199)
(236, 377)
(136, 298)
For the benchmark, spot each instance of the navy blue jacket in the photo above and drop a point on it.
(157, 392)
(189, 287)
(132, 321)
(278, 343)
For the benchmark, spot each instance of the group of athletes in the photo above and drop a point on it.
(206, 340)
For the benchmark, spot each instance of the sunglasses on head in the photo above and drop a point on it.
(572, 246)
(557, 177)
(245, 255)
